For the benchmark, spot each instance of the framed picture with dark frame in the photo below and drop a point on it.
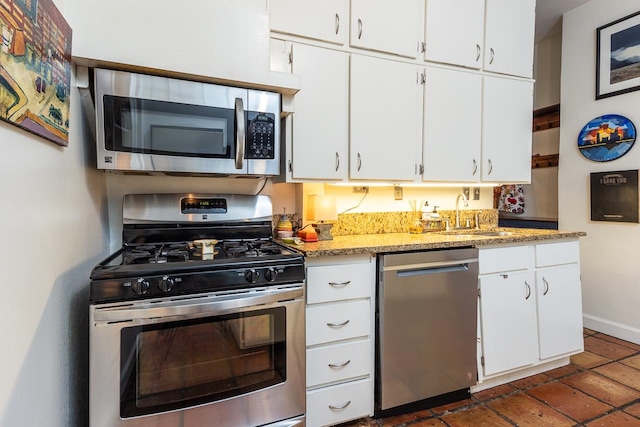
(618, 57)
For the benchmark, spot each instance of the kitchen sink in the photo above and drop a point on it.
(471, 232)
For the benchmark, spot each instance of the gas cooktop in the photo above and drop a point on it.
(185, 244)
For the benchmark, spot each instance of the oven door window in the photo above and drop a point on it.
(168, 128)
(176, 365)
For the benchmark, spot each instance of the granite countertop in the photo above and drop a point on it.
(394, 242)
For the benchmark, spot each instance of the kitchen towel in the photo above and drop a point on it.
(512, 199)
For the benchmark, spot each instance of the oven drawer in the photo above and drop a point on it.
(340, 403)
(338, 362)
(338, 321)
(339, 282)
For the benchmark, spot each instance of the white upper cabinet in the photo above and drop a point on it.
(509, 37)
(452, 125)
(222, 40)
(326, 20)
(454, 32)
(506, 131)
(386, 119)
(388, 26)
(320, 122)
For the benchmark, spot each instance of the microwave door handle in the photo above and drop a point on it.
(240, 133)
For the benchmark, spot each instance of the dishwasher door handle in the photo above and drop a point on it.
(433, 270)
(429, 265)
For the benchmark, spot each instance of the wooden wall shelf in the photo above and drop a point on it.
(546, 118)
(538, 161)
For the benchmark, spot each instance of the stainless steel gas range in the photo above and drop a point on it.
(198, 320)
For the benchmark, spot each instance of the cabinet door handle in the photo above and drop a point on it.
(337, 408)
(423, 47)
(290, 166)
(337, 23)
(490, 167)
(339, 365)
(337, 161)
(493, 55)
(546, 286)
(339, 285)
(528, 290)
(359, 28)
(359, 162)
(478, 50)
(337, 325)
(475, 167)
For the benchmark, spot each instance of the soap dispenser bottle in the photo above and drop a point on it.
(435, 218)
(426, 215)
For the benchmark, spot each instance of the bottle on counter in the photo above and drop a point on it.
(426, 215)
(435, 218)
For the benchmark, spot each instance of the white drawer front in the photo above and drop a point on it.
(338, 321)
(333, 405)
(338, 362)
(339, 282)
(495, 260)
(557, 253)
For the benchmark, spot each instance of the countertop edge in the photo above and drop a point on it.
(402, 242)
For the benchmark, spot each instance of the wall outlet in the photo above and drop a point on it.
(476, 193)
(362, 189)
(397, 192)
(465, 191)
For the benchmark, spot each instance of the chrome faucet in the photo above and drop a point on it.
(466, 203)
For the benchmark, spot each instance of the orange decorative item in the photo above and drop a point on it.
(308, 235)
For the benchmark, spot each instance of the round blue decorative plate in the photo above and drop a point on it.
(607, 138)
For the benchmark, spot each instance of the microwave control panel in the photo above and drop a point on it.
(260, 136)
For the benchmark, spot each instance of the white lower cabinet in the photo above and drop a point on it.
(530, 307)
(507, 309)
(507, 304)
(334, 405)
(339, 328)
(338, 362)
(559, 298)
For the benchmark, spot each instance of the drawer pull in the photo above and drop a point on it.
(337, 325)
(339, 285)
(337, 408)
(339, 365)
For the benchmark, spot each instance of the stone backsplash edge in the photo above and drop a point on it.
(398, 222)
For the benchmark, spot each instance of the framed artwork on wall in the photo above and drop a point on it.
(35, 68)
(614, 196)
(607, 138)
(618, 57)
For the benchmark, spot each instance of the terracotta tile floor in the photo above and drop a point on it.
(600, 388)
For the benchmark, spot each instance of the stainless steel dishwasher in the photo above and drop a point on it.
(426, 327)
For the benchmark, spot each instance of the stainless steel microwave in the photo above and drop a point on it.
(159, 124)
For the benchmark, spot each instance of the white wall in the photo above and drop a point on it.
(609, 252)
(541, 196)
(52, 217)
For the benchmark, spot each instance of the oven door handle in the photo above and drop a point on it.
(195, 307)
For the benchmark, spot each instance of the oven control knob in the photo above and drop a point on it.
(165, 284)
(270, 274)
(251, 276)
(140, 286)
